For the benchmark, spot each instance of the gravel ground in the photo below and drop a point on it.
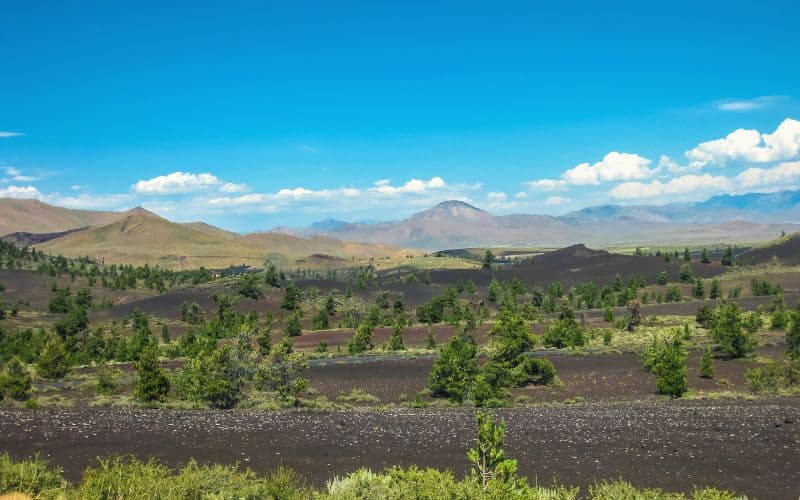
(752, 447)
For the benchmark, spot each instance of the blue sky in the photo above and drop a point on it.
(254, 115)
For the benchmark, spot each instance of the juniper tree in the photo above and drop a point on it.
(152, 382)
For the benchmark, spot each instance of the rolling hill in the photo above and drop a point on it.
(454, 224)
(785, 249)
(34, 216)
(139, 237)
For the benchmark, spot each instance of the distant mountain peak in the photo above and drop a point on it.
(140, 212)
(456, 208)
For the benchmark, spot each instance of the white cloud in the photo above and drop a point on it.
(545, 185)
(738, 105)
(614, 167)
(675, 188)
(750, 146)
(91, 202)
(781, 175)
(230, 187)
(521, 195)
(176, 182)
(416, 186)
(556, 200)
(20, 192)
(247, 199)
(5, 133)
(496, 196)
(15, 174)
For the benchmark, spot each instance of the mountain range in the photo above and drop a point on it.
(138, 236)
(746, 218)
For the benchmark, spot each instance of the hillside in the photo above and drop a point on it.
(785, 249)
(34, 216)
(140, 237)
(454, 224)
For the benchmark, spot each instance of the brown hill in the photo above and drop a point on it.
(139, 237)
(785, 249)
(34, 216)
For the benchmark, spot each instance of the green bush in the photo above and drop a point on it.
(706, 367)
(53, 363)
(216, 378)
(34, 477)
(564, 333)
(152, 383)
(362, 339)
(730, 332)
(15, 383)
(454, 369)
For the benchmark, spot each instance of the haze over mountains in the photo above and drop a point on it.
(138, 236)
(746, 218)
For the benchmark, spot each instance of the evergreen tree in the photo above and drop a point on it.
(729, 332)
(670, 368)
(264, 339)
(704, 258)
(395, 340)
(714, 291)
(793, 334)
(16, 381)
(779, 317)
(454, 369)
(152, 382)
(291, 297)
(165, 333)
(706, 368)
(53, 363)
(216, 378)
(662, 278)
(293, 326)
(686, 273)
(698, 290)
(727, 257)
(608, 314)
(488, 259)
(490, 464)
(320, 320)
(430, 340)
(362, 339)
(687, 257)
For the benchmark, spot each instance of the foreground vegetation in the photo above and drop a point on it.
(493, 476)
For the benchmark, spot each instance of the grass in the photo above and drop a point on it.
(131, 478)
(358, 395)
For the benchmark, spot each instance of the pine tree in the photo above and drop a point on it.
(264, 339)
(488, 258)
(488, 457)
(395, 340)
(706, 368)
(793, 334)
(53, 363)
(152, 382)
(361, 341)
(291, 297)
(16, 381)
(727, 257)
(670, 368)
(687, 257)
(662, 278)
(698, 291)
(430, 340)
(165, 333)
(704, 258)
(293, 326)
(714, 291)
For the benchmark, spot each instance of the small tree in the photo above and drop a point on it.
(714, 291)
(53, 363)
(687, 257)
(698, 290)
(793, 333)
(152, 382)
(293, 326)
(248, 286)
(670, 368)
(488, 259)
(488, 457)
(395, 340)
(662, 278)
(362, 339)
(727, 257)
(291, 297)
(216, 378)
(430, 340)
(165, 333)
(634, 314)
(16, 381)
(264, 338)
(454, 370)
(608, 314)
(281, 372)
(706, 368)
(704, 258)
(686, 273)
(729, 332)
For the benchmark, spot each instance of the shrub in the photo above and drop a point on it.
(793, 333)
(362, 339)
(107, 378)
(291, 297)
(34, 477)
(454, 369)
(321, 320)
(430, 340)
(670, 368)
(248, 286)
(16, 381)
(729, 332)
(686, 274)
(662, 278)
(673, 294)
(216, 378)
(704, 316)
(53, 363)
(293, 326)
(706, 368)
(564, 333)
(395, 340)
(152, 383)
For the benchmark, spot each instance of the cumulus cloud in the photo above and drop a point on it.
(545, 185)
(750, 146)
(496, 196)
(230, 187)
(677, 187)
(413, 186)
(779, 176)
(176, 182)
(5, 133)
(15, 174)
(20, 192)
(613, 167)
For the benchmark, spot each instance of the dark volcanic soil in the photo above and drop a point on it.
(752, 447)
